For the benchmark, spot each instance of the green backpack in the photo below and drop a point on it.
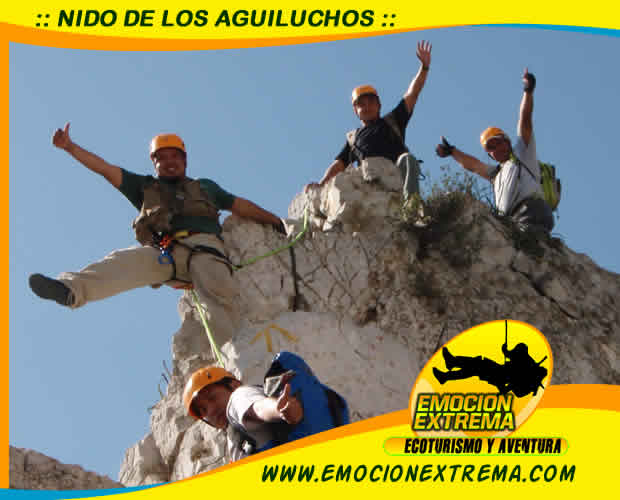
(551, 185)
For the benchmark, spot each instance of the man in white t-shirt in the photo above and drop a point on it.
(516, 177)
(216, 397)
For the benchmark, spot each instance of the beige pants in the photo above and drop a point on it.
(138, 266)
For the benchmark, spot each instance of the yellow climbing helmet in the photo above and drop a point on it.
(161, 141)
(198, 381)
(490, 133)
(363, 90)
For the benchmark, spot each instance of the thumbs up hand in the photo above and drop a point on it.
(289, 407)
(61, 138)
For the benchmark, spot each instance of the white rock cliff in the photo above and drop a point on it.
(376, 298)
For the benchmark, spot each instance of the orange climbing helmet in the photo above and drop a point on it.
(199, 380)
(490, 133)
(161, 141)
(363, 90)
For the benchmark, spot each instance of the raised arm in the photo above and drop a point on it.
(334, 169)
(417, 84)
(112, 173)
(467, 161)
(525, 125)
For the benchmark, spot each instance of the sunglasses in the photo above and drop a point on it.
(370, 97)
(493, 144)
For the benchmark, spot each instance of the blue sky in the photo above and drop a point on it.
(261, 122)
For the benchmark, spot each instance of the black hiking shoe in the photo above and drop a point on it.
(51, 289)
(440, 376)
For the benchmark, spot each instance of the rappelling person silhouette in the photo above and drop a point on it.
(520, 373)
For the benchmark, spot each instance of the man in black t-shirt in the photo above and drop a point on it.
(380, 141)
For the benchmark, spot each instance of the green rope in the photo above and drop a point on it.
(277, 250)
(207, 329)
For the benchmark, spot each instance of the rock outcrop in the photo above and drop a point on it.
(31, 470)
(376, 296)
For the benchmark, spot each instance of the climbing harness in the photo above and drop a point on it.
(166, 243)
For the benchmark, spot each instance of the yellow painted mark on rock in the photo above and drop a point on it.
(266, 332)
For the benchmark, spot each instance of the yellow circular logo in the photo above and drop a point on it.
(485, 382)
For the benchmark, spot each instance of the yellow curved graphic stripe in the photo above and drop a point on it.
(34, 36)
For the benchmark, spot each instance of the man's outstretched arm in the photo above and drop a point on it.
(334, 169)
(112, 173)
(468, 162)
(525, 126)
(423, 53)
(245, 208)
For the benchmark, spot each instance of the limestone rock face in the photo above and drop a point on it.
(143, 464)
(349, 358)
(375, 298)
(30, 470)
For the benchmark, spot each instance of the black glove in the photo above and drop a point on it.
(529, 83)
(280, 228)
(444, 149)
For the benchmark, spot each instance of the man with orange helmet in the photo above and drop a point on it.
(380, 141)
(516, 178)
(216, 397)
(175, 209)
